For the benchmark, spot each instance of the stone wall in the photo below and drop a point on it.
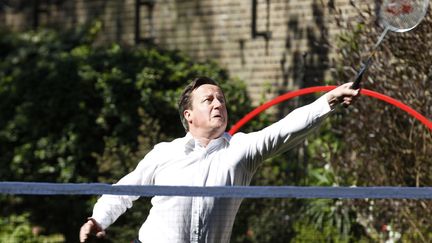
(282, 44)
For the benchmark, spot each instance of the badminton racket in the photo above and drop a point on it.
(397, 16)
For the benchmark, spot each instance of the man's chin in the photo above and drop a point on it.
(220, 128)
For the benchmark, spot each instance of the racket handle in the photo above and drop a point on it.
(359, 77)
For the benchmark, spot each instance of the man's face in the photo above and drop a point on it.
(208, 115)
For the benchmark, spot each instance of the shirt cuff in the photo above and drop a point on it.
(100, 219)
(324, 105)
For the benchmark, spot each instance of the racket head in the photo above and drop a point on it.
(402, 15)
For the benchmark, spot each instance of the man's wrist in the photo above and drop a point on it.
(95, 223)
(332, 100)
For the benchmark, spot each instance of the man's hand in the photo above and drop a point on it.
(342, 94)
(91, 227)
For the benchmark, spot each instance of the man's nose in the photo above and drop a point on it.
(217, 103)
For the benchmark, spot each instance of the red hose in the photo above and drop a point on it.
(293, 94)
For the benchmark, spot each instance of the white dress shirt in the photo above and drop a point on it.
(226, 161)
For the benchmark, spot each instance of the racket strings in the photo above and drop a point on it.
(403, 15)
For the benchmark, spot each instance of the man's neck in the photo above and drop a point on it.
(204, 139)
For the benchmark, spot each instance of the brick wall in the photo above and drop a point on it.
(290, 46)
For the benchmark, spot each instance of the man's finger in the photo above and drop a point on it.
(84, 232)
(347, 98)
(100, 234)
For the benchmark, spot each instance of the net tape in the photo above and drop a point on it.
(38, 188)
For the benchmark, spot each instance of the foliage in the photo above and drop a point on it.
(325, 220)
(76, 112)
(380, 146)
(15, 228)
(383, 146)
(282, 220)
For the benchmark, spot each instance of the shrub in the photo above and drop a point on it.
(381, 145)
(76, 112)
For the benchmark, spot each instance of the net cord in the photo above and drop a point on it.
(39, 188)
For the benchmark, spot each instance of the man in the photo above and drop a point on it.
(207, 156)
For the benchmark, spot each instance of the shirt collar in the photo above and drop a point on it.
(191, 143)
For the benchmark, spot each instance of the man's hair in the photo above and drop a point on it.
(185, 101)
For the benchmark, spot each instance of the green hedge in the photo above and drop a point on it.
(72, 111)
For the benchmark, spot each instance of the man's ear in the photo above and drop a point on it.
(187, 115)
